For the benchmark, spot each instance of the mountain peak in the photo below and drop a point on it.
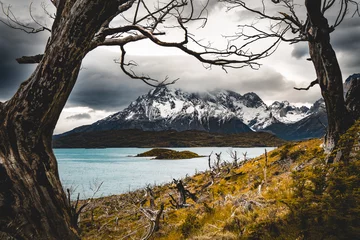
(355, 76)
(161, 90)
(221, 111)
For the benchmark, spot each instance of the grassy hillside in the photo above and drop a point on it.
(289, 193)
(138, 138)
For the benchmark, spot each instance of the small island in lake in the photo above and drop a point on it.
(162, 153)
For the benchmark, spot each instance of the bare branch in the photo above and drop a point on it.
(50, 15)
(30, 59)
(146, 79)
(154, 217)
(12, 21)
(313, 83)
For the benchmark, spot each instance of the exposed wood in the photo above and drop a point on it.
(150, 194)
(183, 195)
(30, 59)
(313, 83)
(154, 217)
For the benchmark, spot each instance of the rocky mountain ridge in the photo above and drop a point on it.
(219, 111)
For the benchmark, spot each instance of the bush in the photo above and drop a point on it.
(190, 225)
(325, 203)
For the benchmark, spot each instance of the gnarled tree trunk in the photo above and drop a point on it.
(328, 74)
(32, 202)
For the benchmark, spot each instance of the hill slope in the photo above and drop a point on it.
(138, 138)
(289, 193)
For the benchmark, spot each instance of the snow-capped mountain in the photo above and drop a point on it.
(286, 113)
(220, 111)
(312, 125)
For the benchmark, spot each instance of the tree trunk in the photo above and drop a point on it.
(328, 74)
(32, 202)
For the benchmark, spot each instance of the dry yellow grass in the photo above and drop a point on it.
(234, 206)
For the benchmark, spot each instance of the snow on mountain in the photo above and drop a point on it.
(286, 113)
(164, 103)
(215, 111)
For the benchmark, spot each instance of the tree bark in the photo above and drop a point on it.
(32, 202)
(328, 74)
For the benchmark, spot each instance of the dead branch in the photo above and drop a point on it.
(209, 161)
(183, 195)
(217, 161)
(244, 155)
(154, 217)
(284, 24)
(150, 194)
(313, 83)
(75, 210)
(30, 59)
(173, 202)
(12, 21)
(233, 155)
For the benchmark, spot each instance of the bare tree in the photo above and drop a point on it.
(33, 204)
(287, 25)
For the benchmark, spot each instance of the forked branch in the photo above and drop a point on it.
(13, 22)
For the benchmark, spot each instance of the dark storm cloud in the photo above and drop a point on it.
(14, 44)
(105, 92)
(345, 41)
(79, 116)
(103, 86)
(300, 50)
(346, 36)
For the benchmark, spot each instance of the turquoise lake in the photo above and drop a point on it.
(121, 172)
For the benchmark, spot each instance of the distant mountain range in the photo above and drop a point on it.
(220, 111)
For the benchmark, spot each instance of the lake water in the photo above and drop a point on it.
(120, 171)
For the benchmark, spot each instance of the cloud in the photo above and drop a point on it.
(14, 44)
(300, 50)
(102, 85)
(66, 124)
(79, 116)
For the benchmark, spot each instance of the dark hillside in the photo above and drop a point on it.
(138, 138)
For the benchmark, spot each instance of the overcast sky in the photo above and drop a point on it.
(103, 89)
